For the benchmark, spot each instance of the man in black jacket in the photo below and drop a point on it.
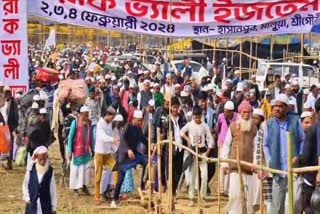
(128, 155)
(13, 118)
(309, 157)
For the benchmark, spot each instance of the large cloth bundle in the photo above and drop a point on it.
(27, 99)
(78, 93)
(5, 139)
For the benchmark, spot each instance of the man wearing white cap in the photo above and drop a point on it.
(104, 148)
(148, 113)
(40, 198)
(144, 96)
(306, 118)
(168, 87)
(275, 148)
(128, 154)
(223, 122)
(313, 96)
(80, 149)
(258, 118)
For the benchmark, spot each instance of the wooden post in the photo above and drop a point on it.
(290, 177)
(250, 59)
(150, 186)
(198, 180)
(271, 47)
(219, 185)
(240, 63)
(242, 191)
(261, 178)
(159, 167)
(170, 196)
(301, 47)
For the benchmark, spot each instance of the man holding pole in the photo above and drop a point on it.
(239, 144)
(275, 148)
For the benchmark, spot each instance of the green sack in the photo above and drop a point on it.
(21, 156)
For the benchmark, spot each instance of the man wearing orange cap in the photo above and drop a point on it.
(239, 143)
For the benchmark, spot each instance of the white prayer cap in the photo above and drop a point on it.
(118, 118)
(99, 78)
(306, 91)
(219, 94)
(39, 150)
(42, 97)
(295, 82)
(153, 70)
(101, 62)
(132, 85)
(138, 114)
(102, 80)
(156, 85)
(115, 59)
(229, 80)
(229, 105)
(151, 103)
(43, 111)
(240, 87)
(273, 102)
(108, 76)
(224, 59)
(168, 75)
(282, 98)
(17, 96)
(177, 86)
(184, 94)
(145, 82)
(113, 78)
(306, 114)
(35, 105)
(6, 88)
(84, 109)
(119, 84)
(237, 72)
(292, 102)
(87, 78)
(259, 112)
(287, 86)
(129, 72)
(146, 72)
(1, 84)
(36, 98)
(140, 72)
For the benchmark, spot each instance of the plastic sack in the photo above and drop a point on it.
(5, 139)
(21, 156)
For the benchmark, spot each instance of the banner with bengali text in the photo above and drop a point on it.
(14, 44)
(184, 18)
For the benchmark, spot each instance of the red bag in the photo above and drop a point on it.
(47, 75)
(5, 139)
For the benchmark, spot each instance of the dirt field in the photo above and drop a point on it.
(11, 195)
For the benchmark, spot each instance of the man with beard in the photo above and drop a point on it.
(39, 186)
(275, 148)
(145, 95)
(239, 144)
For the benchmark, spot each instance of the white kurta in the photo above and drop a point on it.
(79, 175)
(25, 190)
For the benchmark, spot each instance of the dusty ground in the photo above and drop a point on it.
(11, 194)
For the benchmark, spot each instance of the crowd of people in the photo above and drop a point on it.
(220, 114)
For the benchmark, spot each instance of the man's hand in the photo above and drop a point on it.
(318, 179)
(225, 170)
(207, 153)
(295, 161)
(28, 202)
(131, 154)
(116, 141)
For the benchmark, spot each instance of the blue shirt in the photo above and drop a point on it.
(283, 145)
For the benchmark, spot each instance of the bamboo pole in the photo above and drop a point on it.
(261, 179)
(271, 47)
(170, 196)
(150, 186)
(242, 191)
(159, 167)
(250, 59)
(290, 178)
(219, 180)
(240, 63)
(198, 181)
(301, 47)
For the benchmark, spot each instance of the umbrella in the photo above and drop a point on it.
(47, 75)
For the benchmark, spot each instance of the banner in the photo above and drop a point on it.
(13, 44)
(184, 18)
